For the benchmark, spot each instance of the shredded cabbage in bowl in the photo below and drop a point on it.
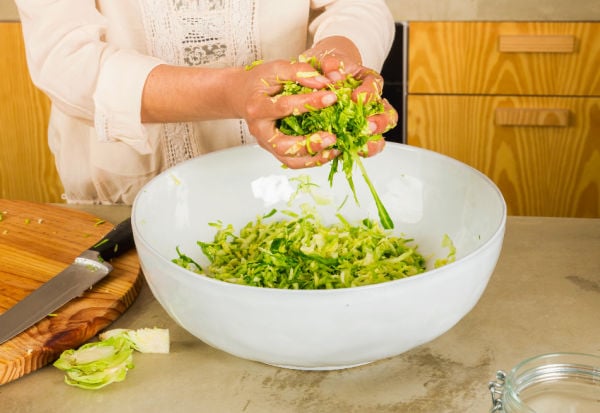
(303, 253)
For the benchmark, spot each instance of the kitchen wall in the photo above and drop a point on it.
(495, 10)
(8, 10)
(458, 10)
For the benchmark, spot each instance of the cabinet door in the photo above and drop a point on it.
(542, 152)
(27, 168)
(510, 58)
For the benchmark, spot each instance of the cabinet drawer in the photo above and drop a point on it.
(543, 167)
(514, 58)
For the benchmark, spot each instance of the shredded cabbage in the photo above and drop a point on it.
(451, 257)
(303, 253)
(298, 251)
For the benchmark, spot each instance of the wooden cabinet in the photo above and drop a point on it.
(27, 170)
(518, 101)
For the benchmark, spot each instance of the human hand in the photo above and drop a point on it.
(255, 100)
(338, 58)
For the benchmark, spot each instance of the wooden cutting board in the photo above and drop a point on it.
(36, 242)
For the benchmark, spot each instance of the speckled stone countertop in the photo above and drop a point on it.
(543, 297)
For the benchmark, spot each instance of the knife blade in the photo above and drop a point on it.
(86, 270)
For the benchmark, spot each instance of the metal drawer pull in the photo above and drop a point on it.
(532, 117)
(536, 43)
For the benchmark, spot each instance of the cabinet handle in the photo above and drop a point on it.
(536, 43)
(532, 117)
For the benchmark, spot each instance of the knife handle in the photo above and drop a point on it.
(116, 242)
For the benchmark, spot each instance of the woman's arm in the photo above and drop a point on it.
(174, 94)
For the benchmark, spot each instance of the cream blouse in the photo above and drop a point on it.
(92, 59)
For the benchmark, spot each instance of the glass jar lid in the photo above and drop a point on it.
(549, 383)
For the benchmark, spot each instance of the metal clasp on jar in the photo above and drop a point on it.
(497, 391)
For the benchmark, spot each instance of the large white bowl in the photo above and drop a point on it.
(427, 194)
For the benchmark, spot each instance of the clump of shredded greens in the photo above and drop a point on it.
(347, 119)
(303, 253)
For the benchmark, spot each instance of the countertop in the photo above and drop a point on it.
(544, 296)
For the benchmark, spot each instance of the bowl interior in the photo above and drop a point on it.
(426, 194)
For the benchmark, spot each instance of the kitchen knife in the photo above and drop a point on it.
(87, 269)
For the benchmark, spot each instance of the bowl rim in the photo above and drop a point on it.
(498, 232)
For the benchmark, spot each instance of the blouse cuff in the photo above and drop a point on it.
(118, 99)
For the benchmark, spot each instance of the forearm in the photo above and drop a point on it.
(181, 94)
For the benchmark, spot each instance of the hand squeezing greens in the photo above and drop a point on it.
(347, 119)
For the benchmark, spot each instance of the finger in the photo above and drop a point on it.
(331, 63)
(302, 151)
(373, 148)
(301, 146)
(337, 67)
(319, 159)
(273, 74)
(371, 86)
(312, 79)
(282, 145)
(384, 121)
(278, 107)
(303, 73)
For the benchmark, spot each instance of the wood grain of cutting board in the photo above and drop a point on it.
(36, 242)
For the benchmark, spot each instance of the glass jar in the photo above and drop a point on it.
(549, 383)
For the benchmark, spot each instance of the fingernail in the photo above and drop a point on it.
(327, 141)
(372, 126)
(335, 76)
(329, 99)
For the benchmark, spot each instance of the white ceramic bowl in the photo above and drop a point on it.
(427, 195)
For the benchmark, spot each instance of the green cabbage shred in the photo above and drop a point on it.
(302, 253)
(451, 257)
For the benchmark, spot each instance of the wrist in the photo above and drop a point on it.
(230, 85)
